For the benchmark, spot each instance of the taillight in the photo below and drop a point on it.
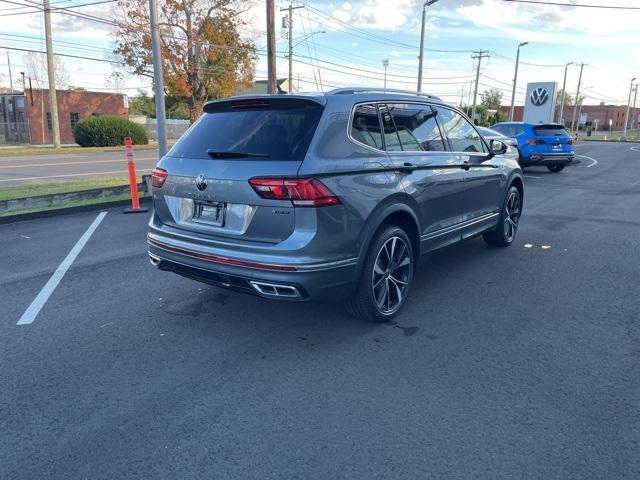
(158, 176)
(301, 192)
(570, 141)
(532, 141)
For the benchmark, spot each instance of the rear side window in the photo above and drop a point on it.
(416, 127)
(277, 132)
(365, 127)
(549, 131)
(508, 130)
(461, 134)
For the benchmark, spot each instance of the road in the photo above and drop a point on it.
(71, 166)
(505, 363)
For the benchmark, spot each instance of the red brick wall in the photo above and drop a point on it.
(602, 112)
(85, 104)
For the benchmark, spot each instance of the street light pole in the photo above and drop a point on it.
(515, 82)
(564, 91)
(385, 64)
(421, 57)
(158, 78)
(626, 117)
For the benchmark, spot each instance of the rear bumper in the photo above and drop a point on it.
(547, 159)
(328, 281)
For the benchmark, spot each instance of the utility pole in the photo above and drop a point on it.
(271, 48)
(51, 72)
(515, 82)
(10, 76)
(479, 54)
(564, 92)
(24, 85)
(158, 80)
(421, 57)
(575, 107)
(626, 116)
(290, 10)
(635, 112)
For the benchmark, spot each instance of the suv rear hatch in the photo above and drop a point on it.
(554, 137)
(206, 190)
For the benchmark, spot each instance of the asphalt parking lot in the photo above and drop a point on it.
(518, 363)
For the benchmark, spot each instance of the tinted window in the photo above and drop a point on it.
(549, 131)
(281, 133)
(416, 126)
(365, 127)
(508, 130)
(462, 136)
(391, 138)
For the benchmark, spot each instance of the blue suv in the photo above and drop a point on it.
(546, 144)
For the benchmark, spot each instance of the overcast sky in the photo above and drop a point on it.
(359, 34)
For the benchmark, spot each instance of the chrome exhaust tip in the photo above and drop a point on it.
(274, 290)
(155, 261)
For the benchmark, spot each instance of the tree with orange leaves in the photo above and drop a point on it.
(204, 55)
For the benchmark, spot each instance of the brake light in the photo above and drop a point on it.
(307, 192)
(570, 141)
(158, 176)
(249, 103)
(536, 141)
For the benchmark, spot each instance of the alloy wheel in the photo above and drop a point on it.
(391, 275)
(512, 216)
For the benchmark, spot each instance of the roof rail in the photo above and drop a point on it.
(351, 90)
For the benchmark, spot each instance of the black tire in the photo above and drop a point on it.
(382, 269)
(504, 233)
(555, 168)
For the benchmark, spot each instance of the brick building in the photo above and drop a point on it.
(601, 113)
(73, 106)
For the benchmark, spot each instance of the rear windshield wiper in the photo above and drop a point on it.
(215, 154)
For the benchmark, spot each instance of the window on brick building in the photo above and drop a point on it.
(49, 124)
(74, 118)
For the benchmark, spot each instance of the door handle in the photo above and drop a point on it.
(407, 167)
(466, 165)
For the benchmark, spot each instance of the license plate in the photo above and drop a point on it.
(556, 147)
(211, 213)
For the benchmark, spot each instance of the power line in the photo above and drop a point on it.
(63, 55)
(37, 8)
(572, 5)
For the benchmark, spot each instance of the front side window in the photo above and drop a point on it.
(462, 136)
(365, 126)
(416, 127)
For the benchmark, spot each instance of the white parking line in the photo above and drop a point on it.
(635, 149)
(594, 162)
(89, 174)
(32, 312)
(530, 176)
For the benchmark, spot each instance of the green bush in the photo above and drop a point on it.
(106, 131)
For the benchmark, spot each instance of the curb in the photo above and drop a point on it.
(21, 217)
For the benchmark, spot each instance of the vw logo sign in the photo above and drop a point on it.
(201, 182)
(539, 96)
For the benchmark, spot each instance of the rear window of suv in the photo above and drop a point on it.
(274, 130)
(549, 131)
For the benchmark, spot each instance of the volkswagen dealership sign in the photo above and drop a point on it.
(540, 102)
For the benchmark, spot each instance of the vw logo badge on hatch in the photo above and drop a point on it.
(201, 182)
(539, 96)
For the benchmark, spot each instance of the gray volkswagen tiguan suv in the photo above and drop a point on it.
(328, 196)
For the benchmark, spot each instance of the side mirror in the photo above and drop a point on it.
(498, 147)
